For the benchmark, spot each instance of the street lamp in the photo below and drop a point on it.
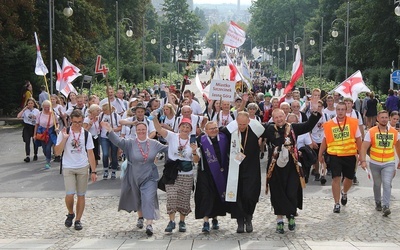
(321, 41)
(279, 50)
(216, 36)
(68, 11)
(397, 9)
(335, 33)
(129, 33)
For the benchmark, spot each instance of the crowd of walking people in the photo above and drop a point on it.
(214, 152)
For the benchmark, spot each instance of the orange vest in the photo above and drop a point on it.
(382, 144)
(341, 143)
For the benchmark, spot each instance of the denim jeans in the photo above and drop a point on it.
(105, 148)
(47, 150)
(382, 176)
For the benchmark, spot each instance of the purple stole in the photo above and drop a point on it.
(219, 171)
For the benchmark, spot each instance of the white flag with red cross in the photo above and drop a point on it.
(352, 86)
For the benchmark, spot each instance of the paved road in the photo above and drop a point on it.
(33, 212)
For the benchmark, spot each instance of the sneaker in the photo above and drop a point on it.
(336, 208)
(47, 166)
(105, 175)
(206, 227)
(279, 228)
(35, 158)
(355, 181)
(78, 225)
(317, 177)
(323, 180)
(386, 211)
(262, 156)
(215, 225)
(182, 226)
(240, 228)
(57, 159)
(378, 206)
(149, 230)
(27, 159)
(113, 175)
(68, 221)
(139, 223)
(292, 223)
(343, 200)
(170, 227)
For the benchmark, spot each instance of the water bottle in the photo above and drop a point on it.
(152, 117)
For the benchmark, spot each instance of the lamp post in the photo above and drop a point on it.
(68, 11)
(335, 33)
(277, 63)
(129, 33)
(279, 50)
(216, 36)
(321, 43)
(287, 47)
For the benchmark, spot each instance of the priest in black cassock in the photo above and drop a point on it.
(284, 176)
(212, 174)
(244, 176)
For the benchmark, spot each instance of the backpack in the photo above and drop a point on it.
(309, 156)
(62, 154)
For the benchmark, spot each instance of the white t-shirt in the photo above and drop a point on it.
(29, 116)
(195, 119)
(106, 118)
(118, 105)
(354, 115)
(130, 131)
(304, 139)
(329, 113)
(173, 144)
(59, 108)
(317, 133)
(169, 122)
(196, 108)
(95, 128)
(367, 138)
(75, 155)
(224, 120)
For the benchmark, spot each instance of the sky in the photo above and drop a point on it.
(246, 2)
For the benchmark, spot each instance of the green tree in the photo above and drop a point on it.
(182, 24)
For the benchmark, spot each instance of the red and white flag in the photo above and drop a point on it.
(235, 74)
(65, 76)
(297, 72)
(59, 83)
(352, 86)
(40, 68)
(69, 71)
(235, 36)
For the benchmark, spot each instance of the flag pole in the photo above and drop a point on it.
(109, 103)
(51, 105)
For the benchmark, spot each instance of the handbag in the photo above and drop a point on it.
(45, 135)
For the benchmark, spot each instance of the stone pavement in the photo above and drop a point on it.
(33, 213)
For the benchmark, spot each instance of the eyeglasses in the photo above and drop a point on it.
(214, 128)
